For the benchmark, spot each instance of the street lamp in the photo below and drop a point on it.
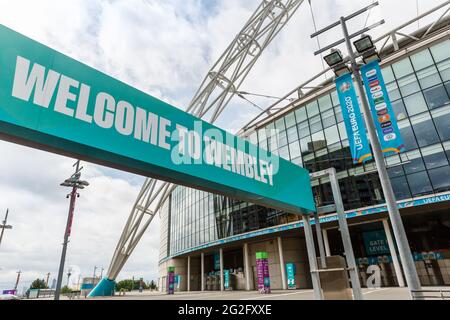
(75, 183)
(367, 49)
(93, 277)
(69, 273)
(4, 226)
(336, 61)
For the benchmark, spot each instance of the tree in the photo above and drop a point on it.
(66, 290)
(152, 285)
(126, 285)
(38, 284)
(130, 285)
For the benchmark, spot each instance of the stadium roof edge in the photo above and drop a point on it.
(411, 42)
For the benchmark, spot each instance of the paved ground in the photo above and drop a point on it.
(369, 294)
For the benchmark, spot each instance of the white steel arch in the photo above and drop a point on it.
(215, 93)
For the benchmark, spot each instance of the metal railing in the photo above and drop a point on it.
(440, 294)
(394, 34)
(312, 87)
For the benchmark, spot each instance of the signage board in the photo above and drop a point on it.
(171, 280)
(354, 122)
(381, 108)
(290, 273)
(262, 270)
(52, 102)
(375, 243)
(226, 279)
(9, 292)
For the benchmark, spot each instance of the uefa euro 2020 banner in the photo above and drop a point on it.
(381, 108)
(354, 122)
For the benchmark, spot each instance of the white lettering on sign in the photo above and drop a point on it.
(32, 82)
(65, 95)
(25, 82)
(354, 124)
(105, 106)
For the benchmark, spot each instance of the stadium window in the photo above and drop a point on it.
(441, 119)
(415, 104)
(422, 60)
(402, 68)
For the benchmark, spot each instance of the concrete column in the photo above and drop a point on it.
(282, 264)
(202, 271)
(312, 257)
(222, 288)
(246, 267)
(397, 268)
(188, 274)
(326, 242)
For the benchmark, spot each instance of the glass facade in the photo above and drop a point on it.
(164, 231)
(314, 136)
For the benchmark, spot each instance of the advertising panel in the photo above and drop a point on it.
(354, 122)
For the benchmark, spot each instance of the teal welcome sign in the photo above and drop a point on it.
(52, 102)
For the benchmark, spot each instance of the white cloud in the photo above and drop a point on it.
(164, 48)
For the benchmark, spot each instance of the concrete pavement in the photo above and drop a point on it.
(369, 294)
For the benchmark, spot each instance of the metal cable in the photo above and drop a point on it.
(418, 13)
(368, 16)
(317, 38)
(264, 96)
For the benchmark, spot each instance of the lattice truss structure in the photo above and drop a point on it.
(220, 85)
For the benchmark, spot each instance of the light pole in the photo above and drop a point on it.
(46, 280)
(17, 280)
(75, 183)
(93, 277)
(408, 264)
(78, 283)
(69, 273)
(4, 226)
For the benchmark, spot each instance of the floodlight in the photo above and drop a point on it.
(336, 61)
(366, 47)
(84, 183)
(334, 58)
(66, 184)
(364, 44)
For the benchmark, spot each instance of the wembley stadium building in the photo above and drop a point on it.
(204, 235)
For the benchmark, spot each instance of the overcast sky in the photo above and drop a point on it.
(164, 48)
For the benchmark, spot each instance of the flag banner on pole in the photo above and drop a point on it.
(382, 112)
(354, 122)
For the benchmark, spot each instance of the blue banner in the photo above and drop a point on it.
(382, 112)
(354, 122)
(290, 271)
(216, 261)
(226, 280)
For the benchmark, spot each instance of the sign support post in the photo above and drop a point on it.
(310, 247)
(323, 256)
(345, 235)
(343, 226)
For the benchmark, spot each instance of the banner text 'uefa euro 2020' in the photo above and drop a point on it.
(33, 83)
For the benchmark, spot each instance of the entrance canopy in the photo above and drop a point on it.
(52, 102)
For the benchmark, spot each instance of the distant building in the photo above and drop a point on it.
(88, 284)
